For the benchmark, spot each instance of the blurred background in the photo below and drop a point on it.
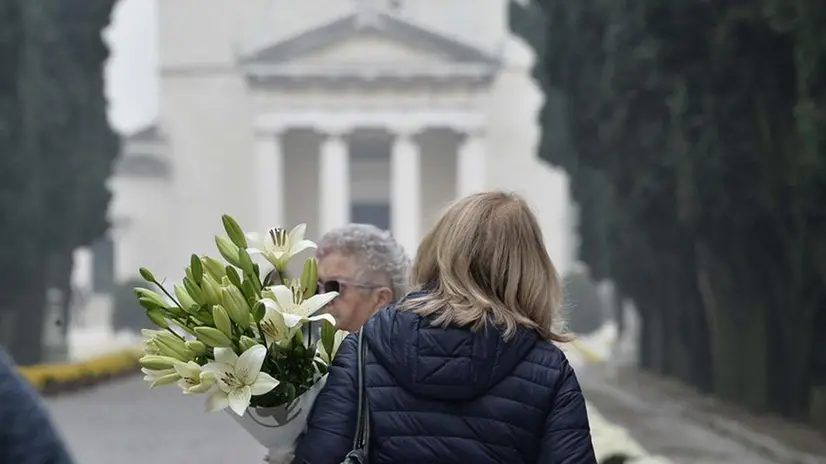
(675, 154)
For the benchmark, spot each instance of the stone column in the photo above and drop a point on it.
(405, 191)
(334, 181)
(471, 164)
(270, 170)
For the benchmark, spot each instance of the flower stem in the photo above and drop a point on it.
(168, 295)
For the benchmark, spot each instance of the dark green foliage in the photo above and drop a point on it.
(694, 138)
(56, 152)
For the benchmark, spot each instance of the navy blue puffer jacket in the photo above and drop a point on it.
(26, 432)
(451, 396)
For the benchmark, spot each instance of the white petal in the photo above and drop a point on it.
(270, 304)
(297, 234)
(298, 247)
(270, 247)
(217, 401)
(263, 384)
(249, 364)
(283, 297)
(255, 251)
(254, 239)
(198, 389)
(316, 302)
(165, 380)
(291, 320)
(327, 317)
(154, 373)
(221, 372)
(188, 369)
(218, 368)
(207, 377)
(225, 356)
(239, 399)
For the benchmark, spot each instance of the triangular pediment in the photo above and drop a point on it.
(381, 40)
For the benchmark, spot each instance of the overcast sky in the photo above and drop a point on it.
(131, 82)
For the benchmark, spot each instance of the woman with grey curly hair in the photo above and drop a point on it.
(366, 266)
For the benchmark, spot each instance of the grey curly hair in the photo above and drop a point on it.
(377, 253)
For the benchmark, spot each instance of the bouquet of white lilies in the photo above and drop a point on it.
(242, 336)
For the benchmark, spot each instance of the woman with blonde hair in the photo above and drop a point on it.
(464, 369)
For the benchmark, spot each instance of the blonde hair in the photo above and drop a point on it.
(485, 261)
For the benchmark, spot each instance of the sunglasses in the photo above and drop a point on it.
(336, 285)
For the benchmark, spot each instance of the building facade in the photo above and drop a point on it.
(325, 112)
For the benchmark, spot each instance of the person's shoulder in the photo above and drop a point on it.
(547, 355)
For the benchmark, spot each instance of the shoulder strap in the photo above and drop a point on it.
(362, 437)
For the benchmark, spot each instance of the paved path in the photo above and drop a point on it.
(126, 423)
(689, 429)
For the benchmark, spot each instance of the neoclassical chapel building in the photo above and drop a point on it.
(325, 112)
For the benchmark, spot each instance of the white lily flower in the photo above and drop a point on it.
(294, 308)
(160, 377)
(194, 380)
(239, 378)
(274, 327)
(328, 357)
(279, 246)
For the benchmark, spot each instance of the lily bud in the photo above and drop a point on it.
(213, 337)
(196, 347)
(197, 268)
(193, 290)
(184, 299)
(156, 362)
(150, 296)
(228, 250)
(211, 290)
(149, 304)
(232, 277)
(247, 342)
(213, 268)
(157, 318)
(175, 350)
(221, 320)
(167, 379)
(259, 311)
(236, 306)
(309, 277)
(248, 289)
(150, 347)
(234, 231)
(147, 275)
(246, 262)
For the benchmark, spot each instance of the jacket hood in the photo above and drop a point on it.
(443, 364)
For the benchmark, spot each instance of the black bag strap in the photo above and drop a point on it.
(361, 441)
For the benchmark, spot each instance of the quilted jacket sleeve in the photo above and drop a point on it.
(332, 424)
(567, 437)
(26, 434)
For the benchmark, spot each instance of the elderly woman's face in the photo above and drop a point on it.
(357, 299)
